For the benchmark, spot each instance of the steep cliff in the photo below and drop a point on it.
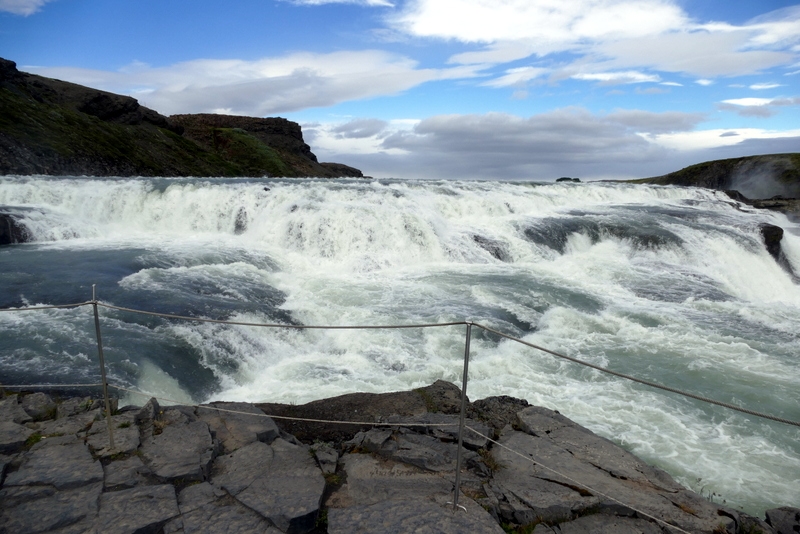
(756, 177)
(58, 128)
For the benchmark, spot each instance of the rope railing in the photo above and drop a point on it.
(469, 324)
(424, 325)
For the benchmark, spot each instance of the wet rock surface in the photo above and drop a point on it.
(229, 468)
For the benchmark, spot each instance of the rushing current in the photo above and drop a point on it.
(672, 285)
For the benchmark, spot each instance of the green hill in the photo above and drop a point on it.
(756, 177)
(58, 128)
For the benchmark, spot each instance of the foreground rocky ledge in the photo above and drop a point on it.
(185, 469)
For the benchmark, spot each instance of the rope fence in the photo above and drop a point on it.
(468, 324)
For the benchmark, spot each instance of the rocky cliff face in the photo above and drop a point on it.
(756, 177)
(53, 127)
(213, 132)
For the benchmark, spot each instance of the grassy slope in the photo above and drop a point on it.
(717, 174)
(55, 139)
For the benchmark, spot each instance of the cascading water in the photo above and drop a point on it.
(668, 284)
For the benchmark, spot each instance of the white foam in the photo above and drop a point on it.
(711, 312)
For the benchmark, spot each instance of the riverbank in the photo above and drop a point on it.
(387, 466)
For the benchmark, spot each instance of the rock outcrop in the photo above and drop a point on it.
(227, 467)
(227, 134)
(54, 127)
(760, 177)
(11, 230)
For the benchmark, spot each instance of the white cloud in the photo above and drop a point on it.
(360, 128)
(620, 34)
(705, 139)
(704, 82)
(757, 107)
(22, 7)
(763, 86)
(748, 101)
(517, 77)
(618, 77)
(266, 86)
(543, 23)
(507, 145)
(564, 142)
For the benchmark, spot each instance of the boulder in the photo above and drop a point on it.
(39, 406)
(12, 230)
(12, 411)
(785, 520)
(772, 236)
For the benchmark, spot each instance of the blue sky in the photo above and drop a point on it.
(492, 89)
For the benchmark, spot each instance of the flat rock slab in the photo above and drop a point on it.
(603, 524)
(237, 471)
(205, 509)
(181, 451)
(683, 508)
(591, 448)
(42, 509)
(371, 480)
(445, 427)
(124, 474)
(235, 430)
(66, 425)
(126, 436)
(61, 466)
(142, 509)
(13, 437)
(289, 493)
(386, 496)
(414, 515)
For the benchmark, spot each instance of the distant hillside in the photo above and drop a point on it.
(58, 128)
(755, 177)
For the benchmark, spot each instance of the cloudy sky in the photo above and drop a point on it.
(491, 89)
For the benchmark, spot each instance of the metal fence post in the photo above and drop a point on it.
(463, 415)
(102, 368)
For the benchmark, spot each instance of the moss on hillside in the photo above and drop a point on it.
(54, 127)
(253, 156)
(54, 139)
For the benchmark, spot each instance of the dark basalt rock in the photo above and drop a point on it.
(343, 171)
(11, 230)
(227, 468)
(785, 520)
(498, 249)
(772, 236)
